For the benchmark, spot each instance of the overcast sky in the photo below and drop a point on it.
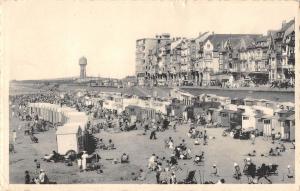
(45, 39)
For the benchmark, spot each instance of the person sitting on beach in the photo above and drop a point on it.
(42, 178)
(110, 145)
(141, 176)
(190, 132)
(252, 154)
(214, 170)
(199, 158)
(274, 152)
(278, 136)
(53, 157)
(125, 158)
(282, 147)
(197, 141)
(237, 171)
(27, 177)
(100, 144)
(183, 144)
(271, 152)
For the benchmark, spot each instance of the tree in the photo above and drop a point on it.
(90, 142)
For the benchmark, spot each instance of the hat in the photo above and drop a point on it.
(214, 165)
(248, 159)
(42, 170)
(289, 166)
(235, 164)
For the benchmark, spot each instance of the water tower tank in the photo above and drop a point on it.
(83, 61)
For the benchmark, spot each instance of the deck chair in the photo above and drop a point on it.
(273, 169)
(34, 139)
(190, 178)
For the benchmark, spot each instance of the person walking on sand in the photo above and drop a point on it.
(27, 177)
(252, 138)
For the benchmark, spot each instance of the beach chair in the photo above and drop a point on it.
(273, 169)
(34, 139)
(190, 178)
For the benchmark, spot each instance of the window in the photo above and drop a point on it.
(245, 118)
(259, 120)
(224, 115)
(267, 121)
(208, 46)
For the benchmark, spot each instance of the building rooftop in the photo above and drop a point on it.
(219, 40)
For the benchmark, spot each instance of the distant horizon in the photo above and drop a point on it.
(106, 32)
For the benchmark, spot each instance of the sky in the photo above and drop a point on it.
(45, 39)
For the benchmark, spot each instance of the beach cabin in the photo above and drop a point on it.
(261, 102)
(214, 114)
(69, 137)
(229, 118)
(175, 109)
(267, 121)
(287, 126)
(279, 118)
(248, 118)
(207, 98)
(139, 113)
(184, 97)
(223, 100)
(290, 134)
(237, 101)
(286, 105)
(135, 113)
(264, 119)
(249, 102)
(271, 104)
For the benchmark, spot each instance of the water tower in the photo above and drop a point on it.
(82, 64)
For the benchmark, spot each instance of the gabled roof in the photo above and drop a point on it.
(234, 39)
(202, 37)
(287, 25)
(175, 44)
(262, 39)
(289, 30)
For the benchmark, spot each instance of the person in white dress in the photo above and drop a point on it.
(151, 162)
(83, 160)
(171, 144)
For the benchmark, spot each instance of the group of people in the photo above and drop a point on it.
(163, 168)
(109, 146)
(39, 175)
